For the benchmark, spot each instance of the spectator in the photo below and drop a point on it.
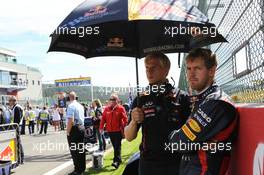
(90, 111)
(2, 121)
(23, 125)
(50, 110)
(115, 119)
(126, 106)
(61, 112)
(37, 110)
(7, 114)
(97, 106)
(17, 111)
(16, 117)
(86, 110)
(56, 118)
(31, 116)
(44, 118)
(75, 134)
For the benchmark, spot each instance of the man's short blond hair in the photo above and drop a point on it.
(164, 60)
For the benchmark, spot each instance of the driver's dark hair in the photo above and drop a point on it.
(204, 54)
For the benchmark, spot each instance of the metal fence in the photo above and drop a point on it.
(240, 61)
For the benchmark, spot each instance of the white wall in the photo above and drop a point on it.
(33, 92)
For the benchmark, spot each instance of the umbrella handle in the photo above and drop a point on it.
(179, 60)
(137, 80)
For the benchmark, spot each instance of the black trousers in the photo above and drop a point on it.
(62, 123)
(23, 127)
(158, 168)
(77, 148)
(44, 126)
(20, 150)
(31, 127)
(116, 138)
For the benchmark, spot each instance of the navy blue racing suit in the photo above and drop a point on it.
(163, 113)
(207, 136)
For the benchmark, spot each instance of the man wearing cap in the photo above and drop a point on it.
(115, 119)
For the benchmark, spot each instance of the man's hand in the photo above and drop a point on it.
(69, 126)
(137, 115)
(131, 130)
(101, 131)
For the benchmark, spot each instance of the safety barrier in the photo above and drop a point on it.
(248, 152)
(9, 143)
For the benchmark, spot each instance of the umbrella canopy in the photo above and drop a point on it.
(133, 28)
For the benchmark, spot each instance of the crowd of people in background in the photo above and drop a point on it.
(37, 119)
(205, 117)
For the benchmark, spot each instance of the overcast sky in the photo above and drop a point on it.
(25, 27)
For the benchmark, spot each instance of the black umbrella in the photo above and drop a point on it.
(133, 28)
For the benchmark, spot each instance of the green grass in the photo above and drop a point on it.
(128, 149)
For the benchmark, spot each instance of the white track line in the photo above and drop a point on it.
(59, 168)
(69, 163)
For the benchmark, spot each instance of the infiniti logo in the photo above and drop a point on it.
(204, 115)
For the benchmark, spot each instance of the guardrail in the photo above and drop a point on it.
(9, 134)
(248, 151)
